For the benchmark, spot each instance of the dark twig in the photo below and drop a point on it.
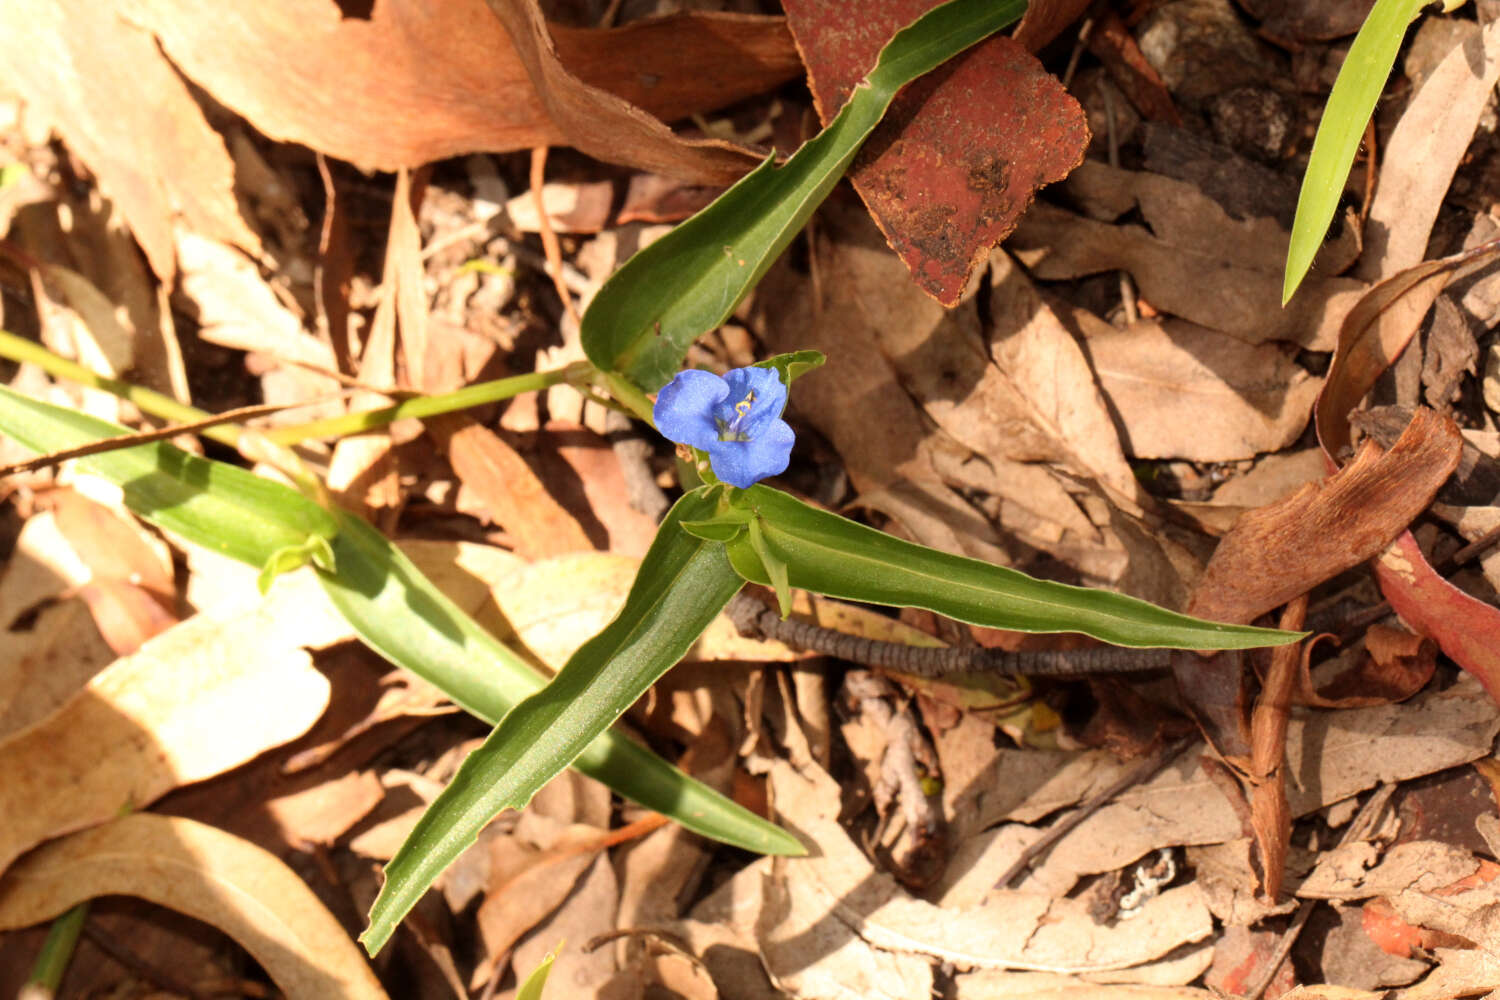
(1142, 772)
(754, 619)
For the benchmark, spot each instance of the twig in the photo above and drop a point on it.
(1362, 822)
(755, 619)
(143, 437)
(1143, 771)
(544, 228)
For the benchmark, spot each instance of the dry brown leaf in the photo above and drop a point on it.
(1331, 756)
(1180, 390)
(415, 83)
(525, 890)
(814, 903)
(991, 985)
(1046, 19)
(324, 813)
(1425, 149)
(105, 88)
(197, 700)
(1279, 551)
(506, 488)
(1206, 283)
(205, 873)
(586, 914)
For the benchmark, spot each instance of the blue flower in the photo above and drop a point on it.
(736, 419)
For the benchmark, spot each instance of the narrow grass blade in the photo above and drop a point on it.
(1361, 79)
(393, 608)
(689, 281)
(683, 584)
(832, 555)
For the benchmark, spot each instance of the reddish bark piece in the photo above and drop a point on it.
(418, 82)
(1113, 44)
(961, 151)
(1045, 20)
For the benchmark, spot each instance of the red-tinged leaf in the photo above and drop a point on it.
(1373, 336)
(961, 151)
(1465, 628)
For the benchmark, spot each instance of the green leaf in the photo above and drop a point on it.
(218, 506)
(689, 281)
(771, 565)
(535, 983)
(1358, 87)
(793, 365)
(683, 583)
(315, 549)
(393, 608)
(832, 555)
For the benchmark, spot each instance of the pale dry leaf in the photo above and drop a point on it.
(1198, 285)
(79, 321)
(1185, 391)
(987, 984)
(836, 893)
(519, 899)
(197, 700)
(44, 665)
(413, 83)
(42, 565)
(236, 308)
(324, 812)
(106, 89)
(1330, 757)
(506, 488)
(1425, 149)
(587, 913)
(205, 873)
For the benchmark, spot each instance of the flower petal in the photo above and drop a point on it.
(684, 408)
(744, 463)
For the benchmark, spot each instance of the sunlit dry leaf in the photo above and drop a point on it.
(415, 83)
(989, 985)
(507, 489)
(1335, 755)
(205, 873)
(1424, 151)
(1180, 390)
(960, 153)
(325, 812)
(200, 698)
(1010, 930)
(118, 104)
(1190, 238)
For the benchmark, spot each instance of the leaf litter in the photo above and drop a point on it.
(1152, 434)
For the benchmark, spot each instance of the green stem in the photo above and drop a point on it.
(626, 392)
(57, 951)
(429, 406)
(147, 400)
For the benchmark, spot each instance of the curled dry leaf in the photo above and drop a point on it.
(205, 873)
(195, 701)
(1045, 20)
(104, 86)
(1375, 333)
(961, 152)
(419, 82)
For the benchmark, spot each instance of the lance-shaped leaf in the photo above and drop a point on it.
(219, 506)
(392, 607)
(683, 584)
(1350, 104)
(689, 281)
(832, 555)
